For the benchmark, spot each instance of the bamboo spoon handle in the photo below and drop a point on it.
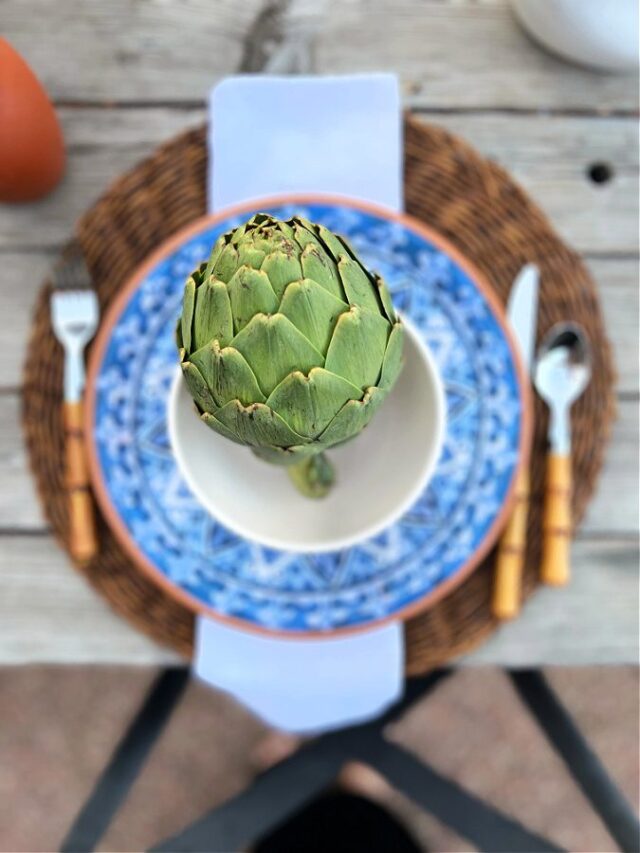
(511, 553)
(82, 540)
(556, 522)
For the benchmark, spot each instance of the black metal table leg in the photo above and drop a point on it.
(126, 762)
(289, 785)
(286, 787)
(583, 764)
(468, 815)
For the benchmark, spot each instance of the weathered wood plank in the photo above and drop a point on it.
(22, 275)
(614, 509)
(548, 155)
(129, 50)
(618, 283)
(461, 55)
(49, 614)
(456, 54)
(594, 620)
(19, 505)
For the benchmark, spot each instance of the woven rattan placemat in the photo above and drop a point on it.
(465, 197)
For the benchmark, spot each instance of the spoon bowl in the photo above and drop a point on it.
(563, 367)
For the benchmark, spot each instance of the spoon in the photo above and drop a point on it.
(562, 372)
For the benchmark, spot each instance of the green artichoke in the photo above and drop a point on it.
(288, 343)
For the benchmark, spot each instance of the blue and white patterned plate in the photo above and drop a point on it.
(433, 546)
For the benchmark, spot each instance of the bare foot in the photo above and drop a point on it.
(364, 780)
(354, 776)
(274, 748)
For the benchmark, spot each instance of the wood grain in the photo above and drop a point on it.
(48, 613)
(449, 55)
(462, 55)
(129, 50)
(593, 620)
(549, 156)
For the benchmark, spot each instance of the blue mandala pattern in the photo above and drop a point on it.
(379, 577)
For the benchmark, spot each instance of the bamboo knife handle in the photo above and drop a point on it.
(556, 521)
(511, 553)
(82, 539)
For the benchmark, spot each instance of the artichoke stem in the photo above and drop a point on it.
(313, 476)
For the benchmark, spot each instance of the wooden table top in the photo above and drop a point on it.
(128, 74)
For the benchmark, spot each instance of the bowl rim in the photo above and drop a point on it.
(103, 336)
(425, 472)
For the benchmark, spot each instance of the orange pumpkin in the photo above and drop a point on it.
(31, 144)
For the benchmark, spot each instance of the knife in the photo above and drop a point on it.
(522, 312)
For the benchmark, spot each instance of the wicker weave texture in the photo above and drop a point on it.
(450, 187)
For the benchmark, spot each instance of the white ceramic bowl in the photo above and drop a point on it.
(380, 474)
(597, 33)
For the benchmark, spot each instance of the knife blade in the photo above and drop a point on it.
(522, 312)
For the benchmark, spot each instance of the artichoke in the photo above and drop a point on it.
(288, 343)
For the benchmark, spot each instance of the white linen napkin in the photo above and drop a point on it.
(338, 135)
(268, 136)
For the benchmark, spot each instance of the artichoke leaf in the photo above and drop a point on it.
(347, 246)
(385, 298)
(312, 310)
(273, 348)
(286, 229)
(309, 403)
(358, 345)
(257, 425)
(282, 269)
(286, 455)
(218, 246)
(393, 361)
(198, 387)
(188, 306)
(212, 318)
(332, 242)
(320, 266)
(227, 374)
(213, 423)
(250, 255)
(250, 293)
(352, 418)
(226, 263)
(239, 232)
(360, 290)
(305, 234)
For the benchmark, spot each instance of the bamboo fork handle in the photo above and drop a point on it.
(507, 582)
(82, 542)
(556, 521)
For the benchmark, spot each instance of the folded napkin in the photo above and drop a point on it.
(268, 136)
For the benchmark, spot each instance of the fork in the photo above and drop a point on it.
(74, 317)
